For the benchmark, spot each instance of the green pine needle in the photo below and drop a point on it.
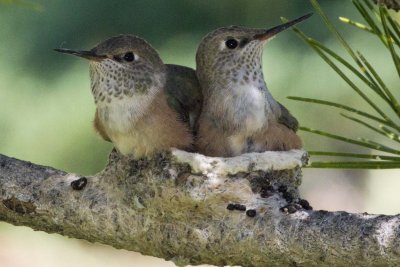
(356, 24)
(347, 108)
(362, 142)
(389, 39)
(353, 155)
(355, 165)
(369, 126)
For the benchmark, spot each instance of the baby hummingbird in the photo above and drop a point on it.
(239, 114)
(142, 105)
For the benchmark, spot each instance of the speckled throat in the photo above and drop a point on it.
(111, 81)
(123, 95)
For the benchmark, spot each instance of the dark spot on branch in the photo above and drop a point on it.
(289, 209)
(304, 203)
(267, 191)
(287, 196)
(79, 184)
(21, 207)
(266, 194)
(231, 206)
(236, 206)
(251, 213)
(261, 181)
(282, 188)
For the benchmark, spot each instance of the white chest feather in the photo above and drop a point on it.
(121, 113)
(251, 107)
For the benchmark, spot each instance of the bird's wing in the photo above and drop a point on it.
(184, 93)
(287, 119)
(99, 127)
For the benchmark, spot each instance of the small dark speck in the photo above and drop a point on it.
(270, 188)
(297, 206)
(287, 196)
(251, 213)
(266, 193)
(240, 207)
(304, 203)
(232, 206)
(79, 184)
(2, 165)
(289, 209)
(282, 188)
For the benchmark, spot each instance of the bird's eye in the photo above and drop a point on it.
(231, 43)
(129, 57)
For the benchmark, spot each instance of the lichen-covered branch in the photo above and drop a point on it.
(194, 209)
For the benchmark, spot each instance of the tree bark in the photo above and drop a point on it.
(193, 209)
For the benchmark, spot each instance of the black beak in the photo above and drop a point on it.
(85, 54)
(277, 29)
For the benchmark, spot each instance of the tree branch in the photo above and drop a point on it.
(190, 209)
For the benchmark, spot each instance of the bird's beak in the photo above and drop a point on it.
(90, 55)
(277, 29)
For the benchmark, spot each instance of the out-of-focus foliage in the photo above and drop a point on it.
(385, 27)
(22, 3)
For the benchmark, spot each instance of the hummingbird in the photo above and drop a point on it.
(143, 106)
(239, 114)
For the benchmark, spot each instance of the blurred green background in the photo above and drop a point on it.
(46, 108)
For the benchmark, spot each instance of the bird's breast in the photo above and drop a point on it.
(121, 114)
(248, 107)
